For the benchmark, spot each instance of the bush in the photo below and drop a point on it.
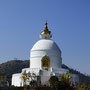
(59, 85)
(52, 80)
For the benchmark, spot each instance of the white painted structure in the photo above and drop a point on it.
(45, 47)
(44, 68)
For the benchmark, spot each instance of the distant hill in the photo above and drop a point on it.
(16, 66)
(82, 77)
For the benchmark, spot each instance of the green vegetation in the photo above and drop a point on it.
(62, 84)
(65, 76)
(14, 66)
(2, 77)
(26, 76)
(55, 84)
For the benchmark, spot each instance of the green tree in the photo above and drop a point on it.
(65, 77)
(62, 84)
(28, 77)
(24, 77)
(52, 80)
(2, 77)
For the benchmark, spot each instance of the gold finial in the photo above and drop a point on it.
(45, 30)
(46, 22)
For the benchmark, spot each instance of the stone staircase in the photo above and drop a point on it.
(45, 76)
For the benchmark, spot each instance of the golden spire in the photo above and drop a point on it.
(45, 30)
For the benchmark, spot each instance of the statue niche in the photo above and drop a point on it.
(45, 62)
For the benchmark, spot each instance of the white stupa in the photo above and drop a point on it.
(45, 60)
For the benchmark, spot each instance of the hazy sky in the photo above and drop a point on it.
(21, 22)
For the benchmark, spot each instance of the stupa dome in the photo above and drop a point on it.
(45, 47)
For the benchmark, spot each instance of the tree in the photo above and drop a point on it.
(65, 77)
(2, 77)
(81, 86)
(24, 77)
(57, 84)
(52, 80)
(28, 77)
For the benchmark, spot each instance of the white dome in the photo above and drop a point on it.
(45, 44)
(45, 47)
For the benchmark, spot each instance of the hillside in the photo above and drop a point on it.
(16, 66)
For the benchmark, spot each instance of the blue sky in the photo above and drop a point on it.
(21, 22)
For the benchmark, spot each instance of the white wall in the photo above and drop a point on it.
(36, 56)
(16, 80)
